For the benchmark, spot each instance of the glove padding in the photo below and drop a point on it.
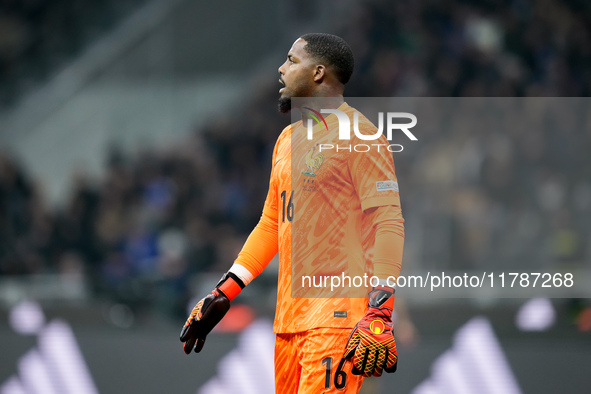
(208, 312)
(371, 345)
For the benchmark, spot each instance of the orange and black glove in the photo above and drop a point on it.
(209, 311)
(371, 345)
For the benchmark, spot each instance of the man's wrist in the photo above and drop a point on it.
(230, 285)
(381, 296)
(242, 272)
(389, 283)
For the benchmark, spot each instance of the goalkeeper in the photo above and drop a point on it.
(349, 204)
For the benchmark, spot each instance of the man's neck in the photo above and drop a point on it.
(318, 103)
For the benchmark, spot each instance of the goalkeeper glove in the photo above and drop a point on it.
(209, 311)
(371, 345)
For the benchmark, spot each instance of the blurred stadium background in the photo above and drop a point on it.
(135, 145)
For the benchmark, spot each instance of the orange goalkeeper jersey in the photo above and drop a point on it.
(318, 195)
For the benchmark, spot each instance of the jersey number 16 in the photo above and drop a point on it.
(287, 211)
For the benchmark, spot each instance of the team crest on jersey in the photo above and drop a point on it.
(313, 161)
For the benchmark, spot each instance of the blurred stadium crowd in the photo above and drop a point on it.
(37, 37)
(169, 212)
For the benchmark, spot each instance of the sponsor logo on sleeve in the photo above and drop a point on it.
(386, 185)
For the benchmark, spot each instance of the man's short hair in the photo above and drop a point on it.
(333, 50)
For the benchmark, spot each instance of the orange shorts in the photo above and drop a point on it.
(311, 362)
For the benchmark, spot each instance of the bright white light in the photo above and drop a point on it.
(57, 366)
(248, 368)
(426, 387)
(213, 386)
(537, 314)
(60, 351)
(12, 386)
(34, 373)
(475, 364)
(449, 375)
(482, 356)
(27, 318)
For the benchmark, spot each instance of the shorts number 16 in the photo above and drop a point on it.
(340, 376)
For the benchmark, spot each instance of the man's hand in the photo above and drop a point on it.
(371, 345)
(208, 312)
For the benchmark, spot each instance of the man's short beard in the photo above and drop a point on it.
(284, 105)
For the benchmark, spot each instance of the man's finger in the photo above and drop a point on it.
(352, 344)
(355, 371)
(188, 345)
(186, 332)
(392, 368)
(363, 367)
(200, 343)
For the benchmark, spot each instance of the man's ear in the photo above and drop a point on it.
(319, 73)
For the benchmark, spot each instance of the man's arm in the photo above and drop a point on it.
(389, 241)
(371, 345)
(258, 250)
